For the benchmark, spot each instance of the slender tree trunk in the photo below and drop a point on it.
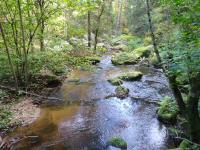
(119, 15)
(192, 108)
(152, 32)
(42, 28)
(41, 4)
(25, 61)
(8, 55)
(98, 26)
(172, 79)
(89, 29)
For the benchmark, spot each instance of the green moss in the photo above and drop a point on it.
(153, 60)
(115, 81)
(118, 142)
(121, 92)
(131, 57)
(124, 58)
(168, 110)
(131, 76)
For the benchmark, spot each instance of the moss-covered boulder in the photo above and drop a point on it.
(167, 111)
(132, 57)
(118, 142)
(115, 81)
(124, 58)
(121, 92)
(131, 76)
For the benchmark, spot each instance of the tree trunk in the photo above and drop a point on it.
(41, 4)
(25, 61)
(192, 108)
(119, 15)
(177, 94)
(89, 29)
(42, 28)
(172, 79)
(8, 55)
(97, 28)
(152, 32)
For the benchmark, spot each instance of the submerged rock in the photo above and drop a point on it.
(167, 111)
(121, 92)
(132, 57)
(118, 142)
(115, 81)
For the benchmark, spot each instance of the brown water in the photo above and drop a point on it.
(86, 120)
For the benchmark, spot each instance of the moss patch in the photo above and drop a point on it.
(118, 142)
(131, 57)
(131, 76)
(115, 81)
(167, 111)
(121, 92)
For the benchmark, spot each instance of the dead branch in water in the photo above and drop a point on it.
(28, 93)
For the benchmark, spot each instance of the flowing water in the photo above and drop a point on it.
(86, 120)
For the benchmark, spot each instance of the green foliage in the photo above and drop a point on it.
(168, 110)
(3, 95)
(185, 144)
(118, 142)
(5, 117)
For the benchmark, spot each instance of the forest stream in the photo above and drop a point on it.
(86, 119)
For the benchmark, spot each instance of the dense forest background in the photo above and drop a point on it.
(40, 37)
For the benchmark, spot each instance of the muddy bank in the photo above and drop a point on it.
(25, 112)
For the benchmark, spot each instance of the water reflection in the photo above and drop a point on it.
(90, 120)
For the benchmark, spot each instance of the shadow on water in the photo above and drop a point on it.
(86, 120)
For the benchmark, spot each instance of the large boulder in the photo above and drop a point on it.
(121, 92)
(131, 76)
(132, 57)
(115, 81)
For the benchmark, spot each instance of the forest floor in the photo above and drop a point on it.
(25, 112)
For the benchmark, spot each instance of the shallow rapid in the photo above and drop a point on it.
(86, 120)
